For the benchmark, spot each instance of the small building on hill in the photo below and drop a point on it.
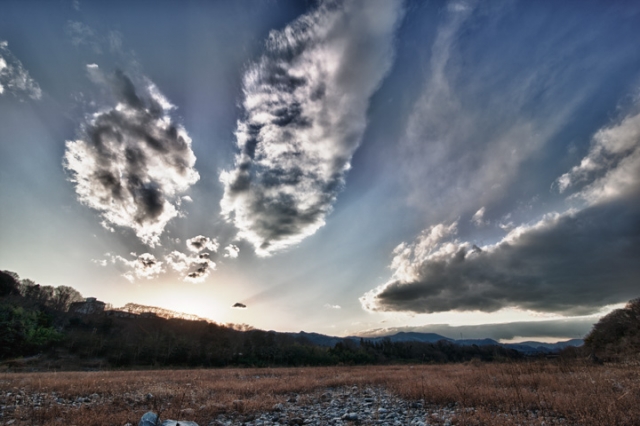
(90, 306)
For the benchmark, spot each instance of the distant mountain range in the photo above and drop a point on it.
(529, 347)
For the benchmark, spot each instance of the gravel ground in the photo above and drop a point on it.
(345, 407)
(342, 406)
(368, 406)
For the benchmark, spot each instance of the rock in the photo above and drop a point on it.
(352, 417)
(151, 419)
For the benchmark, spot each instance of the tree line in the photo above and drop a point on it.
(36, 319)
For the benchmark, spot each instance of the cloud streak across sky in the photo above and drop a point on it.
(132, 162)
(569, 263)
(304, 114)
(473, 126)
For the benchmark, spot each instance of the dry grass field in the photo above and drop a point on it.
(535, 393)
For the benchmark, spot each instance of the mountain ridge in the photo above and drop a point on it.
(530, 347)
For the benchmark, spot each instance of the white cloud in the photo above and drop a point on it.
(231, 251)
(194, 268)
(330, 306)
(14, 78)
(132, 162)
(305, 104)
(199, 243)
(611, 169)
(145, 266)
(478, 217)
(100, 262)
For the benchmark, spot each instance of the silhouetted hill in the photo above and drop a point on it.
(68, 331)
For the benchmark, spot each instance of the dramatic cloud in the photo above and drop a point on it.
(144, 266)
(305, 105)
(14, 78)
(571, 263)
(199, 243)
(239, 305)
(569, 328)
(231, 251)
(132, 162)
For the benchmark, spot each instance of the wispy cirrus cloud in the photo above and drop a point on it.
(81, 34)
(132, 162)
(304, 114)
(487, 107)
(570, 263)
(14, 78)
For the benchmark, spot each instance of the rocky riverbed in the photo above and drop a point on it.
(344, 406)
(367, 406)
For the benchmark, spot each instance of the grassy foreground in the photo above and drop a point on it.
(499, 393)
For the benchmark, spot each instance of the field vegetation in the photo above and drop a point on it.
(41, 336)
(535, 393)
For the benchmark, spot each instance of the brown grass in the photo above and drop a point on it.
(492, 394)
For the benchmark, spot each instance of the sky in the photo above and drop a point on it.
(356, 167)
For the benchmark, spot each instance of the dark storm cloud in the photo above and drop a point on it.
(305, 106)
(571, 263)
(132, 162)
(14, 78)
(568, 328)
(239, 305)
